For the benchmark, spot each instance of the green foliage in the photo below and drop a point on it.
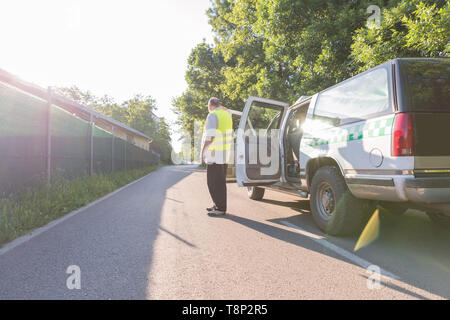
(204, 77)
(34, 207)
(428, 29)
(161, 141)
(282, 49)
(410, 29)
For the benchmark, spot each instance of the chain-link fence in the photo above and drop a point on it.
(39, 139)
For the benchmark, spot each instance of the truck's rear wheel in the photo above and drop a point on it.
(335, 210)
(255, 193)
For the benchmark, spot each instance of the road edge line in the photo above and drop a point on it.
(340, 251)
(26, 237)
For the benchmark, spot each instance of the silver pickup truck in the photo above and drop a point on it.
(381, 137)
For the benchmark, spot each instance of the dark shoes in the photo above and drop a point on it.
(216, 213)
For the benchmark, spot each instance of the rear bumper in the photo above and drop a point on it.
(423, 192)
(428, 190)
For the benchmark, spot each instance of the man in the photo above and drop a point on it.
(216, 152)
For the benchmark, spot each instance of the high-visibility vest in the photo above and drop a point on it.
(224, 132)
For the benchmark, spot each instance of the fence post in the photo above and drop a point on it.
(49, 133)
(125, 156)
(112, 149)
(91, 144)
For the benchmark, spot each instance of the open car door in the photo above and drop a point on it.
(258, 142)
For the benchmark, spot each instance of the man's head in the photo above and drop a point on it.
(213, 103)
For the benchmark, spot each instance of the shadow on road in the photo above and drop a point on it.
(177, 237)
(285, 235)
(301, 206)
(399, 289)
(111, 242)
(410, 246)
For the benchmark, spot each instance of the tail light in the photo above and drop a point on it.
(403, 135)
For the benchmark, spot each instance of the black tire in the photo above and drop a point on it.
(255, 193)
(439, 219)
(334, 209)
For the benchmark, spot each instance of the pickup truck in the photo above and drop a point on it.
(380, 137)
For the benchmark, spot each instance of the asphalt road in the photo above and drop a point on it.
(153, 240)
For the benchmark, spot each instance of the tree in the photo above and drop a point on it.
(410, 29)
(85, 98)
(307, 43)
(204, 77)
(161, 141)
(105, 105)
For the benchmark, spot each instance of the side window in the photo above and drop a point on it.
(274, 124)
(262, 117)
(358, 98)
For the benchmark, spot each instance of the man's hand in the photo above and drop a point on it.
(203, 158)
(208, 141)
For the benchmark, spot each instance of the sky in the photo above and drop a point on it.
(115, 47)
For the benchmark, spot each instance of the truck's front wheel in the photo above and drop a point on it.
(255, 193)
(335, 210)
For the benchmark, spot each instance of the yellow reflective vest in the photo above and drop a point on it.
(224, 132)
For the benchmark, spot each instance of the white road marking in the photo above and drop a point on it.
(17, 242)
(344, 253)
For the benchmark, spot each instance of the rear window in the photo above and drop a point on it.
(426, 85)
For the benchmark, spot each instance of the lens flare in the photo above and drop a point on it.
(370, 232)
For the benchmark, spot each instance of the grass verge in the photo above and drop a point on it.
(32, 208)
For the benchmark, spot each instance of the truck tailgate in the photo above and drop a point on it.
(432, 140)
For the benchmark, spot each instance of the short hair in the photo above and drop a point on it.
(214, 102)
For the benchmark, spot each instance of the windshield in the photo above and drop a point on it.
(426, 84)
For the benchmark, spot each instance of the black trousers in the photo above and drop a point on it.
(216, 176)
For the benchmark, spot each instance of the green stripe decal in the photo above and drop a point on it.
(370, 129)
